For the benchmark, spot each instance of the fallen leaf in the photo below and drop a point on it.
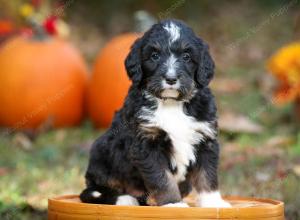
(262, 176)
(266, 84)
(3, 171)
(279, 141)
(236, 123)
(23, 141)
(296, 170)
(234, 159)
(60, 135)
(232, 153)
(227, 85)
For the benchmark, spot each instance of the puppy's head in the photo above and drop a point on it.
(170, 61)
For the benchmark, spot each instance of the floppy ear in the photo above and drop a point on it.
(133, 62)
(206, 66)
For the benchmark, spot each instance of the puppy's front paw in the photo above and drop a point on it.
(177, 204)
(212, 200)
(127, 200)
(215, 204)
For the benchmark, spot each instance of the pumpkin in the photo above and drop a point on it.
(109, 81)
(40, 81)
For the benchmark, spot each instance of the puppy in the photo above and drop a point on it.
(163, 142)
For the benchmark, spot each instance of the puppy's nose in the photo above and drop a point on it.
(171, 80)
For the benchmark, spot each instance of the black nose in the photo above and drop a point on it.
(171, 80)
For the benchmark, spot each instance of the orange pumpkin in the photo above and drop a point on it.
(109, 82)
(40, 81)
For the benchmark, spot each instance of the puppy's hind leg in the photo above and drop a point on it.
(99, 195)
(91, 195)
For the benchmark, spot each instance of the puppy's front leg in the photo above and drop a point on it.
(205, 179)
(167, 193)
(159, 182)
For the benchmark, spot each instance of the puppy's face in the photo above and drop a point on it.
(170, 62)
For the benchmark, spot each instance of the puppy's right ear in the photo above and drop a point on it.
(133, 62)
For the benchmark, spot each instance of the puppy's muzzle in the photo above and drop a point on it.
(170, 86)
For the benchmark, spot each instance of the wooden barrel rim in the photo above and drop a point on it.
(271, 208)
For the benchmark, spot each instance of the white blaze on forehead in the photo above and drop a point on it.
(171, 65)
(173, 30)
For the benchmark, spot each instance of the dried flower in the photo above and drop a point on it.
(285, 66)
(26, 10)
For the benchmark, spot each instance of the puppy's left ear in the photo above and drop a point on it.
(133, 62)
(206, 65)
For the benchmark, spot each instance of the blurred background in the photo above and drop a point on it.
(62, 78)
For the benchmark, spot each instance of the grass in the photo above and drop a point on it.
(54, 164)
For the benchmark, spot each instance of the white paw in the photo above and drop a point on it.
(211, 200)
(127, 200)
(177, 204)
(215, 204)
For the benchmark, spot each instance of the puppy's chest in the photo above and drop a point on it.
(183, 130)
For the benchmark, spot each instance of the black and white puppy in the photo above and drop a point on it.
(163, 142)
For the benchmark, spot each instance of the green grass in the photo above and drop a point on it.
(54, 165)
(294, 151)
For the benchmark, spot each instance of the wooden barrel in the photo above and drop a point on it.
(70, 207)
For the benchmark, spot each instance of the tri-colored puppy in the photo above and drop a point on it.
(163, 142)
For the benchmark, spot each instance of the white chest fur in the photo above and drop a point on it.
(183, 130)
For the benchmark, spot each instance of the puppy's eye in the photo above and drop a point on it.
(186, 57)
(155, 56)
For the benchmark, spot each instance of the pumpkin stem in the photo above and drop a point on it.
(143, 21)
(38, 31)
